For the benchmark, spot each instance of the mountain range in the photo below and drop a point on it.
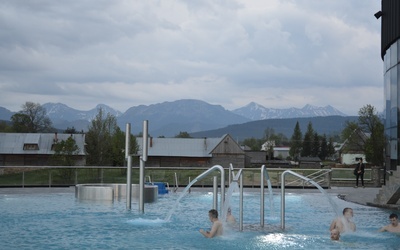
(255, 111)
(170, 118)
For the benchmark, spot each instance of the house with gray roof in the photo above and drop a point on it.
(35, 149)
(193, 152)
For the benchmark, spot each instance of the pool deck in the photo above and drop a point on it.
(362, 196)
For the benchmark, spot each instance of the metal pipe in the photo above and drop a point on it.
(145, 139)
(76, 176)
(143, 159)
(128, 158)
(283, 200)
(141, 186)
(176, 183)
(241, 203)
(189, 188)
(283, 193)
(127, 140)
(129, 183)
(262, 197)
(215, 192)
(221, 170)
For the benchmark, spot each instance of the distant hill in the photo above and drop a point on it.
(255, 111)
(329, 125)
(170, 118)
(5, 114)
(63, 116)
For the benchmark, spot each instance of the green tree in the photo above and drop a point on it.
(5, 127)
(323, 153)
(370, 122)
(32, 119)
(347, 134)
(105, 142)
(316, 145)
(269, 141)
(253, 143)
(71, 131)
(308, 141)
(183, 134)
(296, 142)
(64, 154)
(20, 123)
(331, 147)
(278, 139)
(118, 147)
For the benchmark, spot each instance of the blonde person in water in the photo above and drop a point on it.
(344, 223)
(230, 219)
(335, 234)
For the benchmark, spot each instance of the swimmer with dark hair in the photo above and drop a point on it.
(216, 229)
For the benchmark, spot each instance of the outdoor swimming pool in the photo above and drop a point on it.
(59, 221)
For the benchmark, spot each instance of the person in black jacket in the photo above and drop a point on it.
(359, 172)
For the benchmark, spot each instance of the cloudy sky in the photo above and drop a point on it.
(124, 53)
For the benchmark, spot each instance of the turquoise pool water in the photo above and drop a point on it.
(59, 221)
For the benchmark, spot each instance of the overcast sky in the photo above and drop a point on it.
(124, 53)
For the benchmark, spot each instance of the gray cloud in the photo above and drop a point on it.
(126, 53)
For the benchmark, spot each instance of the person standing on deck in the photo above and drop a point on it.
(359, 172)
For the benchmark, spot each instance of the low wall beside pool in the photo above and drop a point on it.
(109, 192)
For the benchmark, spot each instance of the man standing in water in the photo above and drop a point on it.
(393, 227)
(344, 223)
(216, 229)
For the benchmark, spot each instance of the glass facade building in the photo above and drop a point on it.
(392, 104)
(390, 52)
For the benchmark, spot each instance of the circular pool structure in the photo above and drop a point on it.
(109, 192)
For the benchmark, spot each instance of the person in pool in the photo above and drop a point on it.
(335, 234)
(394, 226)
(216, 229)
(230, 219)
(344, 223)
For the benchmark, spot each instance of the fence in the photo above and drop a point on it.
(53, 176)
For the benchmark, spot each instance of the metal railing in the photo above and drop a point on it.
(51, 176)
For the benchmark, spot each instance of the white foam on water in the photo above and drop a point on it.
(147, 222)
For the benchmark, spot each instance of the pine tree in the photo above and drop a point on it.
(296, 142)
(308, 141)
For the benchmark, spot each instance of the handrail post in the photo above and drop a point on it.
(262, 186)
(128, 157)
(189, 188)
(283, 200)
(241, 203)
(215, 192)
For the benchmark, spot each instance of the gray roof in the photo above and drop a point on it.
(183, 147)
(13, 143)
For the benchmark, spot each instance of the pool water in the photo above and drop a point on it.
(59, 221)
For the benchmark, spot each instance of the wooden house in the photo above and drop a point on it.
(193, 152)
(35, 149)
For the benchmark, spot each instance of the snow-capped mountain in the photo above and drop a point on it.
(61, 112)
(255, 111)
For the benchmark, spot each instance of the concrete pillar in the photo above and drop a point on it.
(376, 176)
